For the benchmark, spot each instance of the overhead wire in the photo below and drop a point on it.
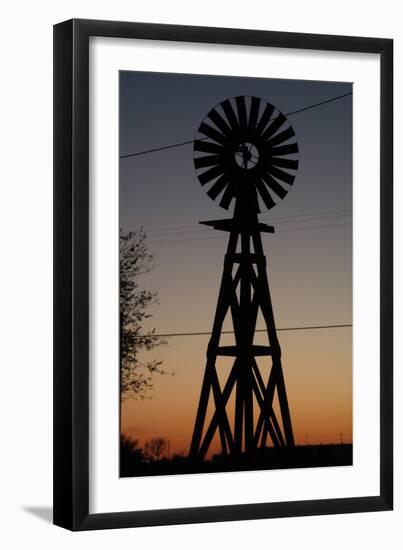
(223, 236)
(188, 142)
(277, 220)
(281, 329)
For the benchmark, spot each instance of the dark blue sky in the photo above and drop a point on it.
(159, 109)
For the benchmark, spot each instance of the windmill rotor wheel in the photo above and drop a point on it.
(246, 148)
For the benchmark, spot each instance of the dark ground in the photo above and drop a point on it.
(308, 456)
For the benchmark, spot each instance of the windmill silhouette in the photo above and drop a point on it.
(246, 154)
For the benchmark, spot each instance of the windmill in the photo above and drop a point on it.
(245, 155)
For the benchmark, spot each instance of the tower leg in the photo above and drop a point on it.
(201, 415)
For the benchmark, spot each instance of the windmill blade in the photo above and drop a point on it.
(219, 122)
(274, 126)
(230, 114)
(281, 175)
(264, 119)
(207, 147)
(217, 187)
(211, 174)
(227, 196)
(274, 185)
(254, 112)
(284, 163)
(264, 194)
(209, 160)
(281, 137)
(211, 133)
(241, 108)
(282, 150)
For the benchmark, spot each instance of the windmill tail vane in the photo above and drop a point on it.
(245, 153)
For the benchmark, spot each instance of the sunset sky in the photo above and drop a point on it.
(309, 256)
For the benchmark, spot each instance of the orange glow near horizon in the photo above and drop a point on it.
(317, 372)
(317, 364)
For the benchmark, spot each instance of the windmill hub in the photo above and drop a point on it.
(246, 155)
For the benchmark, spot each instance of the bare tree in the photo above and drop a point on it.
(155, 448)
(136, 378)
(131, 455)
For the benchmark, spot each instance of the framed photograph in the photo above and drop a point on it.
(223, 274)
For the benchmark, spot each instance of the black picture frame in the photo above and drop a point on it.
(71, 274)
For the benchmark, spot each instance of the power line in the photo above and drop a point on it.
(156, 149)
(284, 329)
(206, 229)
(180, 144)
(318, 104)
(223, 236)
(282, 219)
